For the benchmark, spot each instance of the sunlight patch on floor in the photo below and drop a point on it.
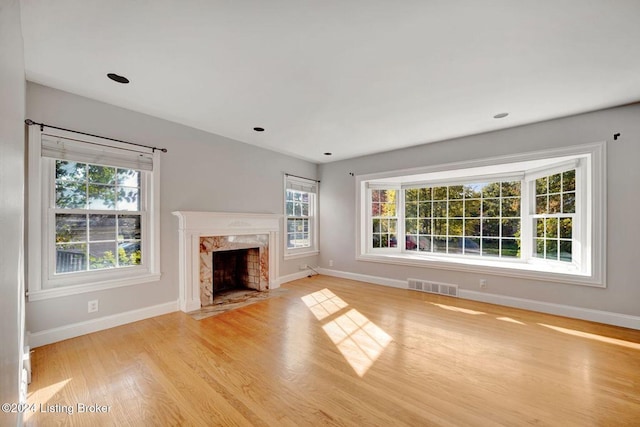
(458, 309)
(359, 340)
(510, 320)
(594, 337)
(43, 395)
(324, 303)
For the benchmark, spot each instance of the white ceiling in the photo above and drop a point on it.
(351, 77)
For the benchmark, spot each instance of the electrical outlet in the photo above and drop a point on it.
(483, 284)
(303, 267)
(92, 306)
(330, 263)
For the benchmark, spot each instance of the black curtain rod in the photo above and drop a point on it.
(30, 122)
(302, 177)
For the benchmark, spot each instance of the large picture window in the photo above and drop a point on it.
(95, 201)
(534, 216)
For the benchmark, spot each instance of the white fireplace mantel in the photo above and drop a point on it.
(194, 225)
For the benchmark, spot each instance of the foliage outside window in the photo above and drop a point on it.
(97, 217)
(535, 215)
(384, 218)
(480, 219)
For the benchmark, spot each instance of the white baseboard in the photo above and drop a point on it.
(606, 317)
(376, 280)
(291, 277)
(48, 336)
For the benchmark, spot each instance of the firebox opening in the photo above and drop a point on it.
(235, 269)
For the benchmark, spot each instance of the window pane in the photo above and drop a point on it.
(472, 227)
(511, 207)
(128, 199)
(289, 208)
(440, 244)
(541, 185)
(540, 227)
(552, 227)
(424, 243)
(128, 178)
(455, 245)
(129, 253)
(70, 171)
(455, 227)
(510, 248)
(411, 210)
(305, 209)
(490, 227)
(565, 251)
(566, 226)
(102, 197)
(455, 209)
(102, 174)
(440, 209)
(473, 191)
(491, 190)
(552, 249)
(555, 182)
(491, 247)
(440, 193)
(71, 195)
(71, 228)
(491, 207)
(510, 189)
(129, 227)
(411, 226)
(289, 196)
(472, 246)
(424, 209)
(411, 242)
(456, 192)
(102, 227)
(569, 203)
(554, 203)
(440, 227)
(102, 255)
(424, 194)
(569, 180)
(539, 248)
(472, 208)
(376, 225)
(541, 204)
(71, 257)
(424, 226)
(411, 195)
(510, 227)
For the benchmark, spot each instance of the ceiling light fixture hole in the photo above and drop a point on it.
(500, 115)
(258, 129)
(328, 154)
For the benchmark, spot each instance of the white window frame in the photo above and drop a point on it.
(310, 186)
(588, 266)
(43, 283)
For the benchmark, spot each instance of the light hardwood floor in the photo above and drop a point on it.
(338, 352)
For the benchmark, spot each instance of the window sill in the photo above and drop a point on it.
(304, 254)
(42, 294)
(510, 269)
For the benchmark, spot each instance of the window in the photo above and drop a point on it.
(300, 216)
(95, 201)
(537, 215)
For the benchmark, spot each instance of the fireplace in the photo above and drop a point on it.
(234, 269)
(203, 233)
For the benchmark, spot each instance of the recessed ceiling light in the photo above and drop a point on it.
(258, 129)
(328, 154)
(500, 115)
(117, 78)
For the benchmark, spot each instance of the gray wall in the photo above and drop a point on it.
(12, 107)
(200, 172)
(338, 192)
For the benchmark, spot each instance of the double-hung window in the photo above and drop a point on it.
(300, 206)
(536, 215)
(93, 214)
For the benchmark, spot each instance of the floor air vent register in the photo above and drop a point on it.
(433, 287)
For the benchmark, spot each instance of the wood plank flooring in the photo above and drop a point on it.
(339, 352)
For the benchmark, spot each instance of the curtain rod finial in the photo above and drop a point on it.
(29, 122)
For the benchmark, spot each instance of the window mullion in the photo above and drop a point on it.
(527, 202)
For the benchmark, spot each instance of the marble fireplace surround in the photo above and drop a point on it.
(194, 226)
